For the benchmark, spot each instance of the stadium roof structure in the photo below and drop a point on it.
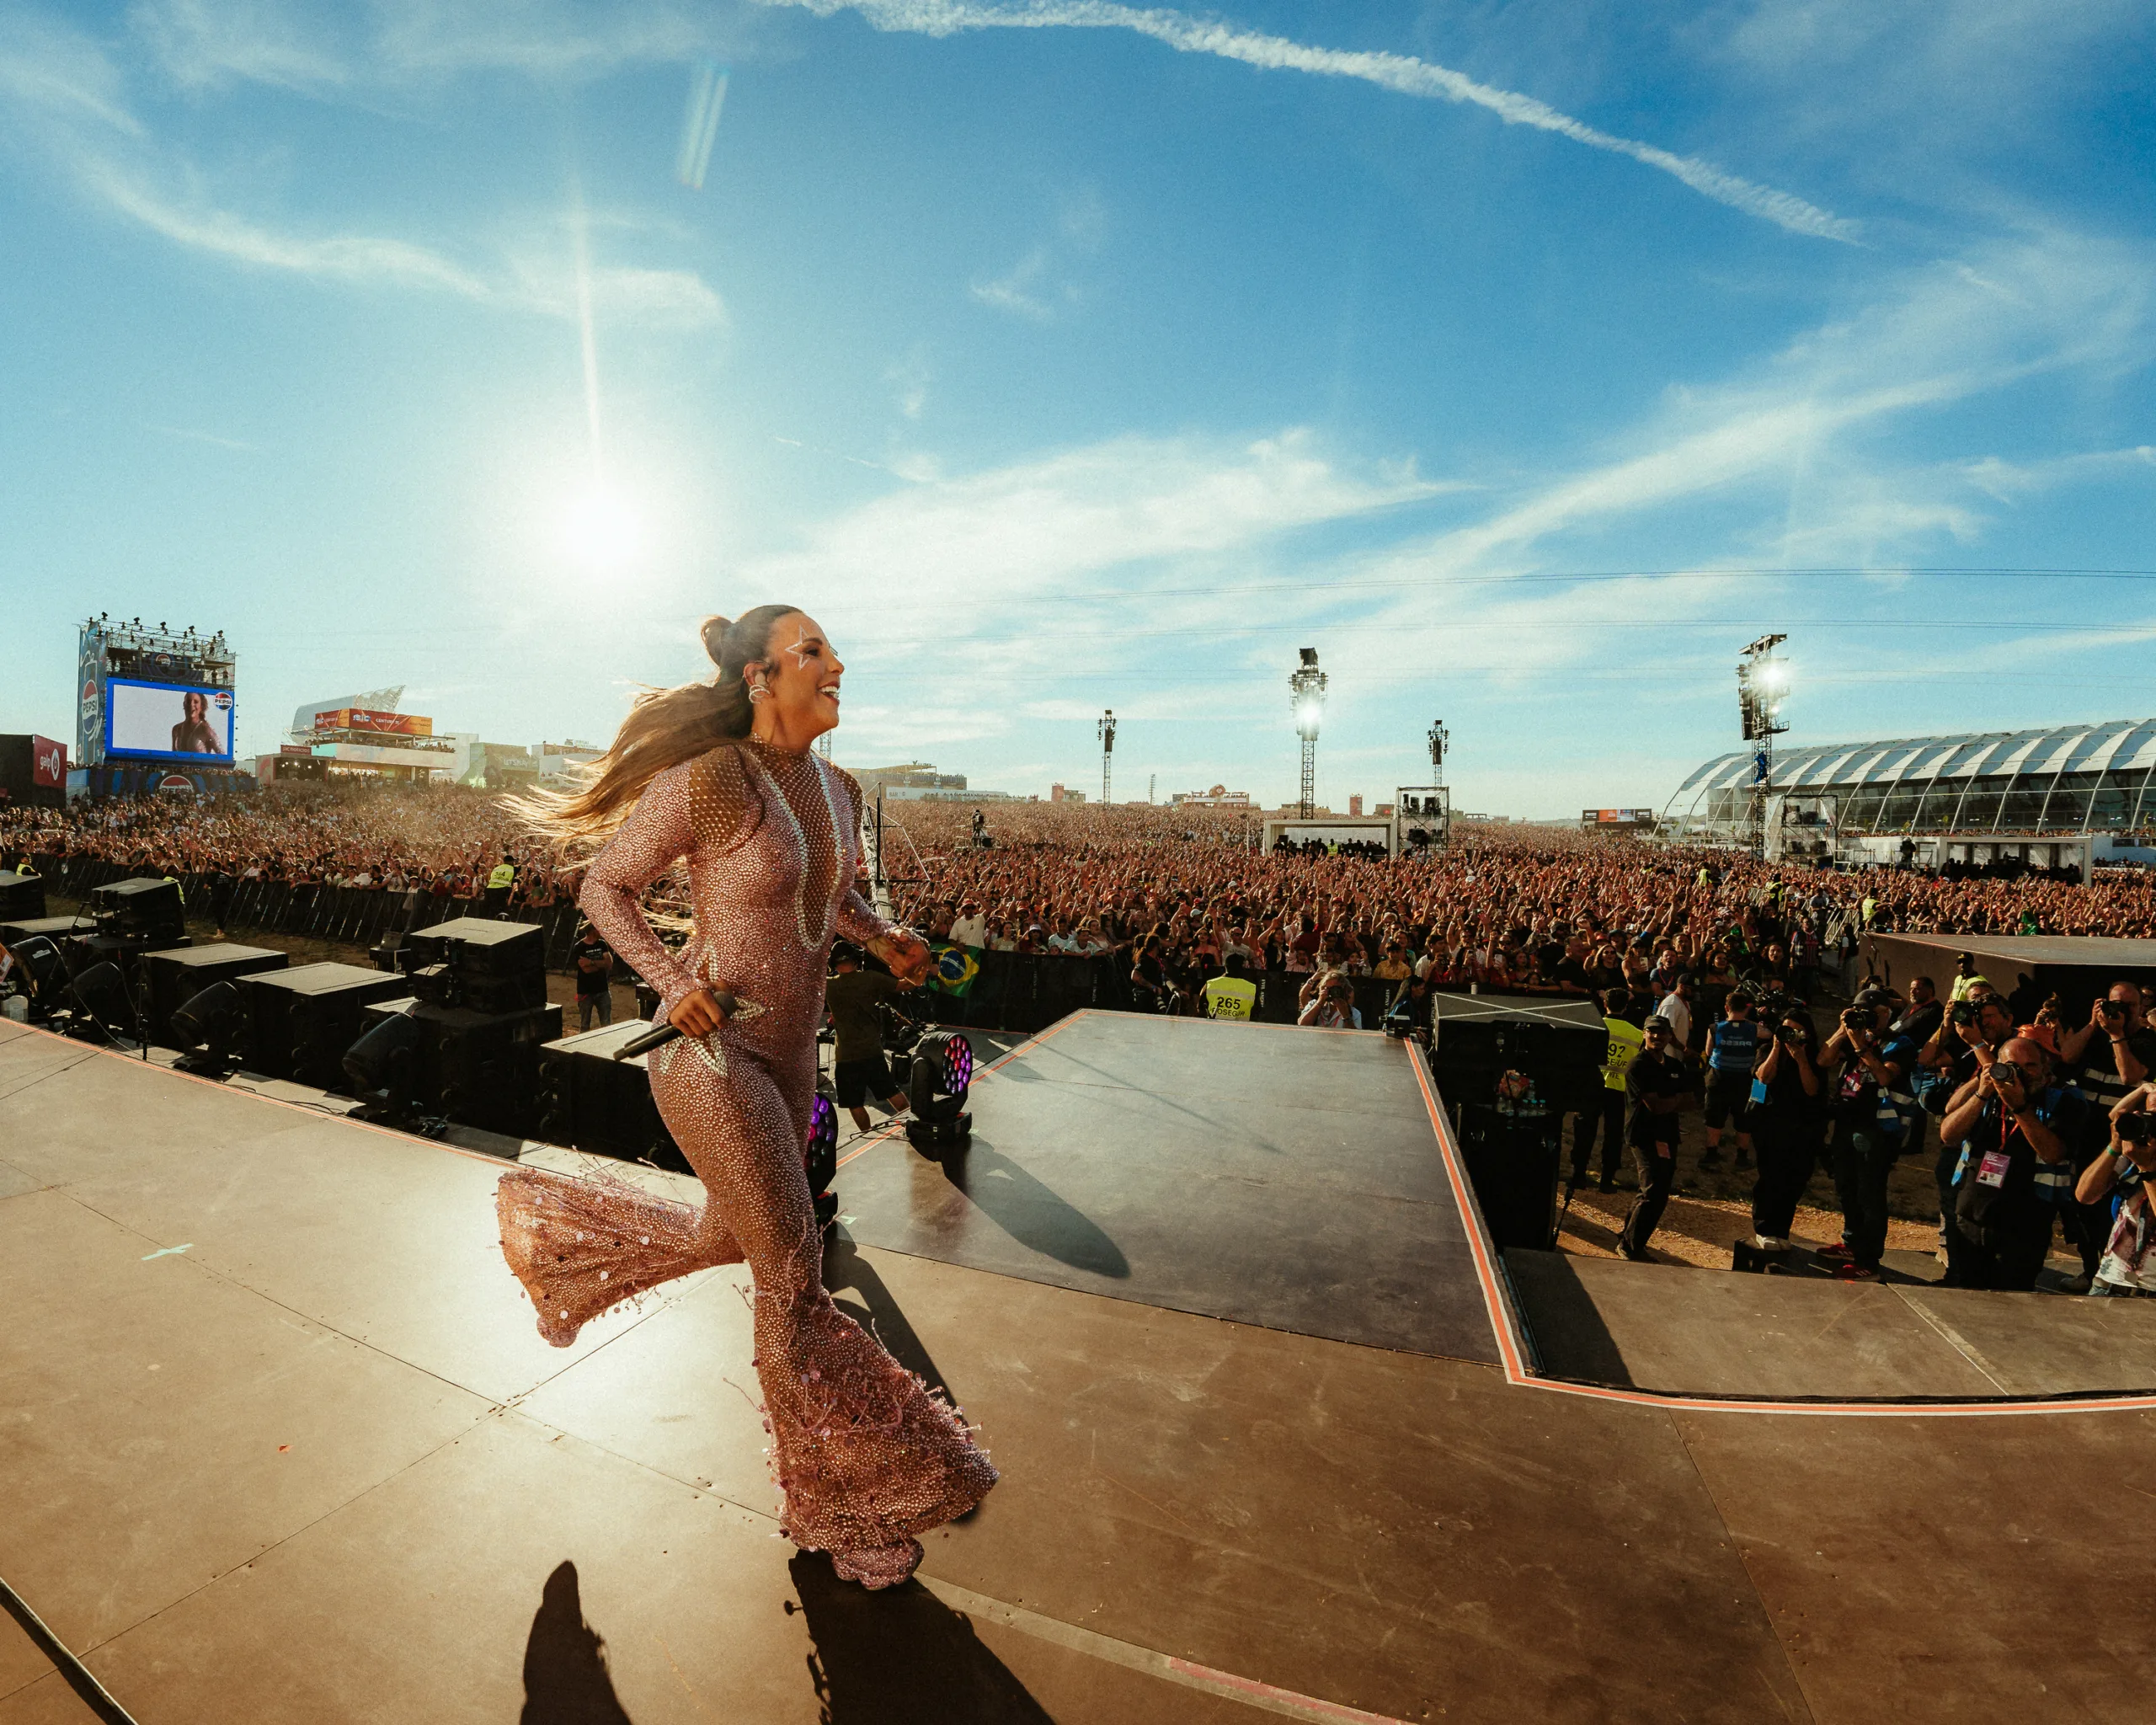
(2067, 779)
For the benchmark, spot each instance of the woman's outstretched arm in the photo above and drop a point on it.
(656, 835)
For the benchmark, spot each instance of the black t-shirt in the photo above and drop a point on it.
(1657, 1076)
(852, 998)
(597, 980)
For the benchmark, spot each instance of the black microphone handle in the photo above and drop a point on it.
(661, 1034)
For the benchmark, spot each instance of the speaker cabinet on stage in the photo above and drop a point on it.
(176, 977)
(21, 895)
(480, 1069)
(1512, 1160)
(601, 1105)
(300, 1021)
(147, 910)
(1559, 1044)
(55, 929)
(476, 962)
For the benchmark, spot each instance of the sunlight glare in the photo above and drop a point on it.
(601, 529)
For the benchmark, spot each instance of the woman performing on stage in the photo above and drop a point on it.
(722, 773)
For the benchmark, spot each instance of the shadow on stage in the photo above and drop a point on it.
(900, 1656)
(566, 1681)
(1031, 1213)
(880, 1659)
(846, 1271)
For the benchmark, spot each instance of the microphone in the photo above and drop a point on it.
(661, 1034)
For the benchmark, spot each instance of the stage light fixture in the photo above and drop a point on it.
(819, 1158)
(379, 1066)
(943, 1073)
(101, 993)
(209, 1024)
(40, 962)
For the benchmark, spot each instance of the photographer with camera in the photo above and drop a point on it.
(1872, 1108)
(859, 1072)
(1655, 1084)
(2115, 1050)
(1966, 1042)
(1788, 1119)
(1333, 1007)
(2123, 1167)
(2014, 1171)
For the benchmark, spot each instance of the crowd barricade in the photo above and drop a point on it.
(1026, 992)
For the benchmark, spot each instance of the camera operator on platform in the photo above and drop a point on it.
(2014, 1127)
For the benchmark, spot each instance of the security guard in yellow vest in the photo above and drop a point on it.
(499, 879)
(1231, 996)
(1620, 1015)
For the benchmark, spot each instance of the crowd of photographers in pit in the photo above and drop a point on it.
(2037, 1127)
(1705, 964)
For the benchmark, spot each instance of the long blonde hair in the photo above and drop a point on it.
(664, 728)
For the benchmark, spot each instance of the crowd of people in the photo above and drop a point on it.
(1707, 964)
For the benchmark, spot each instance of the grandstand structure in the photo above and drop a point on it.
(2076, 794)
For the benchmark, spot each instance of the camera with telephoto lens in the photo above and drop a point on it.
(1964, 1013)
(2114, 1011)
(2006, 1072)
(1857, 1018)
(2138, 1127)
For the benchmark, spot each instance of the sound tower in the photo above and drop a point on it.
(21, 896)
(479, 1069)
(476, 962)
(602, 1105)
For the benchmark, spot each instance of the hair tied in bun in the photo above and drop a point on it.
(714, 635)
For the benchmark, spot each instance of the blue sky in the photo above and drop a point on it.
(1073, 355)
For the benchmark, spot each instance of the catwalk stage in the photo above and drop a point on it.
(1280, 1436)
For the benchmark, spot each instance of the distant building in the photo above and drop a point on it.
(1355, 804)
(1219, 796)
(911, 775)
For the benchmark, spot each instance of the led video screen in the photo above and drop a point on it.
(168, 722)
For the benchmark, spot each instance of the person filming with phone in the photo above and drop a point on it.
(2015, 1129)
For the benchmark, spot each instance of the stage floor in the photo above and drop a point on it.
(1256, 1172)
(279, 1442)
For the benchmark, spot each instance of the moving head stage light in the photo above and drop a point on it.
(381, 1067)
(819, 1158)
(43, 970)
(99, 995)
(208, 1029)
(942, 1071)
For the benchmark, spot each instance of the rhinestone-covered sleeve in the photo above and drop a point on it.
(656, 835)
(858, 920)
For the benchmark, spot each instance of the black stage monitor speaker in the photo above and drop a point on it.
(55, 929)
(474, 961)
(21, 895)
(146, 909)
(478, 1069)
(175, 977)
(601, 1105)
(300, 1021)
(1559, 1044)
(1512, 1160)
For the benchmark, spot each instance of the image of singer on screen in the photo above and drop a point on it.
(193, 735)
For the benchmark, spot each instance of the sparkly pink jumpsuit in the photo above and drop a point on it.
(866, 1457)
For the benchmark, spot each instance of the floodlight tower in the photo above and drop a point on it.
(1439, 736)
(1762, 686)
(1107, 729)
(1306, 698)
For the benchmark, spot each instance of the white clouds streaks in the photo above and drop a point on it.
(1402, 73)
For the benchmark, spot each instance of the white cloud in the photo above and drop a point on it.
(952, 547)
(1402, 73)
(68, 104)
(1014, 291)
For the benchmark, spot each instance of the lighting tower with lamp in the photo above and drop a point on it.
(1107, 729)
(1306, 698)
(1762, 686)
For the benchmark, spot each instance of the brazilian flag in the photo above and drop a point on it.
(952, 970)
